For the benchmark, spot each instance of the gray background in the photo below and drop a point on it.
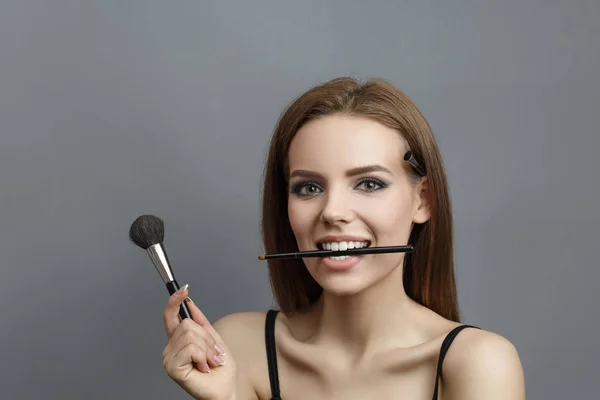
(112, 109)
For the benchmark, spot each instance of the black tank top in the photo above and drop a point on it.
(272, 355)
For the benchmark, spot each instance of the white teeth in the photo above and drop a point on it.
(341, 246)
(339, 258)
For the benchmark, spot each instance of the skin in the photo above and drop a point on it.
(364, 338)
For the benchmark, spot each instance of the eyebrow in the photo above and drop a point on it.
(352, 172)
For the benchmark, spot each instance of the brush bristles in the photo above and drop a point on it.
(147, 230)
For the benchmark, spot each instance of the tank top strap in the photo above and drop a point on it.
(443, 350)
(272, 353)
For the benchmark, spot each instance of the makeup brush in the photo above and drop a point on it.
(148, 232)
(329, 253)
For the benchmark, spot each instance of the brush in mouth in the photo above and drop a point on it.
(341, 246)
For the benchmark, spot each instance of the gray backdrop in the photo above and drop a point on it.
(112, 109)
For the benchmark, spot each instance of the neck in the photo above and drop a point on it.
(358, 323)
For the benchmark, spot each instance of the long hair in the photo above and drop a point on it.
(428, 273)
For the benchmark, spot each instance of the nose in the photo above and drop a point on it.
(336, 209)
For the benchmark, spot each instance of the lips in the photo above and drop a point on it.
(341, 243)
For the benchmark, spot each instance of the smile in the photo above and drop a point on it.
(341, 246)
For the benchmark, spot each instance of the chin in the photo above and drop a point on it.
(342, 289)
(344, 284)
(354, 280)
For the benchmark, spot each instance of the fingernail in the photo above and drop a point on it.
(219, 360)
(188, 299)
(204, 368)
(182, 289)
(220, 350)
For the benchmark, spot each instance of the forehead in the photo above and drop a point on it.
(340, 142)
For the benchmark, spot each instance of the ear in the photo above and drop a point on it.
(421, 210)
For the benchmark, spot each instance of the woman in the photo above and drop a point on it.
(361, 327)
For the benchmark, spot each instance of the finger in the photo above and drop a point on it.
(199, 317)
(189, 332)
(171, 313)
(189, 354)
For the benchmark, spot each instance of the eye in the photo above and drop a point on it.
(306, 189)
(371, 185)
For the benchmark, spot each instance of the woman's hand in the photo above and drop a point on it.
(196, 357)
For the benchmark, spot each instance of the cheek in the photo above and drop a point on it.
(300, 217)
(391, 219)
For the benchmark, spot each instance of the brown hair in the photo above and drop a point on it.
(429, 270)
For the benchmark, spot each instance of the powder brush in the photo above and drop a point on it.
(148, 232)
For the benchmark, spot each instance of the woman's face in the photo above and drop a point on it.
(349, 188)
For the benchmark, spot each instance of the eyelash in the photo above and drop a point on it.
(297, 188)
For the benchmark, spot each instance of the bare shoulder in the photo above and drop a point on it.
(240, 324)
(482, 364)
(243, 332)
(244, 336)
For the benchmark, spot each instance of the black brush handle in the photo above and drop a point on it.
(184, 312)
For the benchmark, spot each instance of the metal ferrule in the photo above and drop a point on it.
(159, 258)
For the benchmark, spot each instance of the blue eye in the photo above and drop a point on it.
(371, 185)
